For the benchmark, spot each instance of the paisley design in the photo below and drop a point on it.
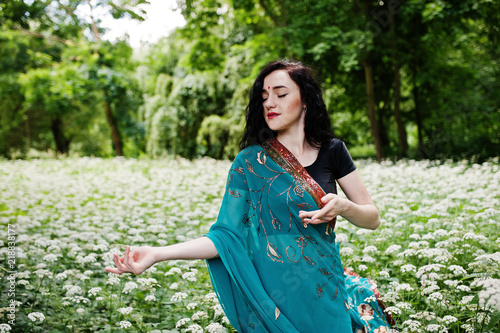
(273, 253)
(261, 157)
(234, 194)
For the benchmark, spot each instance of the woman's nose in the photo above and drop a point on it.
(269, 103)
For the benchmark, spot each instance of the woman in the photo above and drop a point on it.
(271, 254)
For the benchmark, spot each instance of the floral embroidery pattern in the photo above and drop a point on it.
(289, 163)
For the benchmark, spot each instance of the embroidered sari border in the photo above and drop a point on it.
(382, 305)
(286, 160)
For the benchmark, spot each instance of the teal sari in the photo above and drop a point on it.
(273, 273)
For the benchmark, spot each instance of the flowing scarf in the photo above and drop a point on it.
(273, 273)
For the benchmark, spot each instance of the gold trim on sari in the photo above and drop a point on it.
(286, 160)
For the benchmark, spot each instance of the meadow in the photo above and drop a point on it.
(435, 257)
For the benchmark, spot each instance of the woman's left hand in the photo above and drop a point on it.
(334, 206)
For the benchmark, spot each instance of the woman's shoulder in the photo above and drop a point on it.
(247, 152)
(334, 145)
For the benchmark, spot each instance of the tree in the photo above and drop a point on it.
(107, 76)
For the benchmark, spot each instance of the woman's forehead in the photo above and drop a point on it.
(278, 79)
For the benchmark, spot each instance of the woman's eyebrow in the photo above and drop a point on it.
(274, 88)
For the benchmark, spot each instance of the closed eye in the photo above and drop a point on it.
(280, 96)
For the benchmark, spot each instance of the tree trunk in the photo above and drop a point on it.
(27, 129)
(418, 115)
(403, 143)
(371, 109)
(382, 130)
(115, 134)
(62, 143)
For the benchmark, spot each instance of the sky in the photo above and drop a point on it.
(160, 21)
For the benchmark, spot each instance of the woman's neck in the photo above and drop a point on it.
(299, 147)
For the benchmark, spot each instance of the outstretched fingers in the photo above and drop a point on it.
(123, 264)
(119, 269)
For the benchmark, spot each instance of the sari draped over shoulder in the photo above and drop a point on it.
(273, 273)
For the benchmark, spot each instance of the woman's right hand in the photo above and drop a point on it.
(136, 261)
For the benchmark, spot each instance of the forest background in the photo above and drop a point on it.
(401, 78)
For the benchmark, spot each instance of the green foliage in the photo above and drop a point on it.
(165, 99)
(12, 117)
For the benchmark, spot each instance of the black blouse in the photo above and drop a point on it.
(333, 162)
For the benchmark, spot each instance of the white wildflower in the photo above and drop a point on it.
(112, 279)
(429, 268)
(129, 286)
(215, 328)
(412, 325)
(147, 282)
(211, 297)
(125, 311)
(408, 268)
(370, 299)
(192, 306)
(22, 282)
(50, 257)
(451, 283)
(34, 316)
(218, 310)
(404, 287)
(182, 322)
(449, 320)
(463, 288)
(94, 291)
(393, 310)
(393, 249)
(430, 289)
(371, 250)
(125, 324)
(435, 297)
(199, 315)
(100, 247)
(490, 295)
(190, 276)
(5, 328)
(74, 290)
(173, 270)
(457, 270)
(466, 300)
(384, 274)
(195, 328)
(177, 297)
(435, 328)
(367, 258)
(346, 251)
(404, 305)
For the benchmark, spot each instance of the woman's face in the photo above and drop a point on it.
(283, 107)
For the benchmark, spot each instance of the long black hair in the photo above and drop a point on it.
(317, 126)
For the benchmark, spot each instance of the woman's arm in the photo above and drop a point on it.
(141, 258)
(359, 208)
